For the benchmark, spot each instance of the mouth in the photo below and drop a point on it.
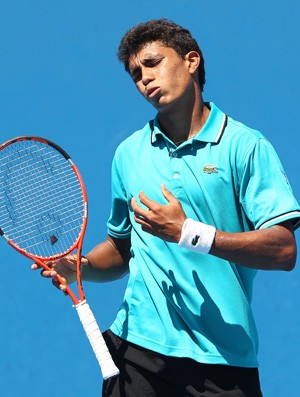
(152, 92)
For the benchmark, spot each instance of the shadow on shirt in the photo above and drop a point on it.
(230, 340)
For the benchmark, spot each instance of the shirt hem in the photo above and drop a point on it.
(119, 235)
(165, 350)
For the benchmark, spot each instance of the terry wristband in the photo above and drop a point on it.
(197, 236)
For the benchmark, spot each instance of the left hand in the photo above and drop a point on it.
(64, 267)
(163, 221)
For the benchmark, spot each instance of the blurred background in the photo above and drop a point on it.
(60, 78)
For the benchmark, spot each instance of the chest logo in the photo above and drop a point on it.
(210, 169)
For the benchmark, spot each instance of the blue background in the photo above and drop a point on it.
(60, 79)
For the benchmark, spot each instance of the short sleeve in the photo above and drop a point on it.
(266, 195)
(119, 224)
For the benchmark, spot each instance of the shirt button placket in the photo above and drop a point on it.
(175, 170)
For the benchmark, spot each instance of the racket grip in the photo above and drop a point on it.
(91, 328)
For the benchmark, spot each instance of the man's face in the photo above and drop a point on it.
(161, 75)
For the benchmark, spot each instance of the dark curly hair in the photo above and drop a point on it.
(165, 31)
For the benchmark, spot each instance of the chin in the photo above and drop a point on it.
(165, 106)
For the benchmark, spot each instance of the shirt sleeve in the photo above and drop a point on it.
(265, 193)
(119, 224)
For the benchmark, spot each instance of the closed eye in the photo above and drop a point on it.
(151, 62)
(136, 73)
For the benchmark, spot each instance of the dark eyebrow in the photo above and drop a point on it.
(152, 57)
(147, 61)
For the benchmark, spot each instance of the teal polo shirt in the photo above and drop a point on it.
(177, 302)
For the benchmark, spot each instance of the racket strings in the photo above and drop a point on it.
(42, 206)
(19, 204)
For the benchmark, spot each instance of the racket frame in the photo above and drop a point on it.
(42, 261)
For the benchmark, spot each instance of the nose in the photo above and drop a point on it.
(147, 76)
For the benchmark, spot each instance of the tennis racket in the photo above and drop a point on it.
(43, 215)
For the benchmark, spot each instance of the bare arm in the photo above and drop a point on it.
(107, 261)
(267, 249)
(273, 248)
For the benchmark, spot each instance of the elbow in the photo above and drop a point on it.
(288, 257)
(289, 266)
(287, 247)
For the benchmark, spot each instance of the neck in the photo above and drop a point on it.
(184, 122)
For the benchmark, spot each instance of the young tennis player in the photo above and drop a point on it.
(199, 203)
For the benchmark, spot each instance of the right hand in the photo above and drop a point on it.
(65, 268)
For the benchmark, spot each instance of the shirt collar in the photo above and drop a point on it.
(212, 130)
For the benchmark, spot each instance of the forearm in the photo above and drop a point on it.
(273, 248)
(266, 249)
(108, 261)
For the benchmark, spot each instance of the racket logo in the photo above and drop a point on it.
(53, 239)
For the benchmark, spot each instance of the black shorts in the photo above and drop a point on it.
(144, 373)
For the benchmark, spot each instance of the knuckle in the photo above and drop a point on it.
(156, 207)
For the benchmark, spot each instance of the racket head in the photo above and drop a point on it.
(43, 200)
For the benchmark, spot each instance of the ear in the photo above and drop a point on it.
(193, 58)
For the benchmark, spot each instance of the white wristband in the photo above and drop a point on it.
(197, 236)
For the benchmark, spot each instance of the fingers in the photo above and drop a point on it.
(141, 215)
(34, 266)
(58, 281)
(59, 284)
(137, 209)
(45, 273)
(167, 194)
(146, 200)
(161, 220)
(151, 203)
(49, 272)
